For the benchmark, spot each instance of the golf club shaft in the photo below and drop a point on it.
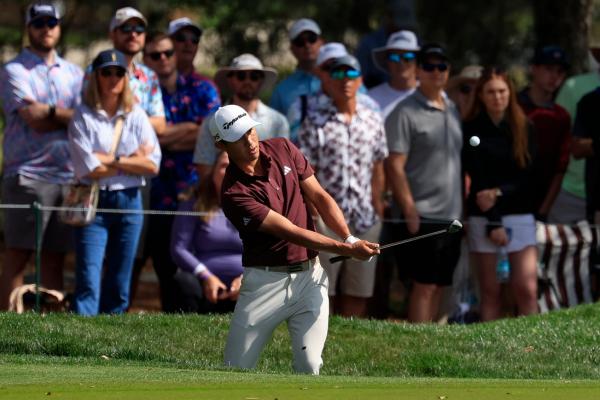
(385, 246)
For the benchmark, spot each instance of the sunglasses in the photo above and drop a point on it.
(139, 29)
(182, 37)
(339, 74)
(406, 57)
(44, 22)
(156, 55)
(241, 76)
(428, 67)
(108, 72)
(308, 37)
(465, 89)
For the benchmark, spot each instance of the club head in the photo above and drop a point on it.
(455, 226)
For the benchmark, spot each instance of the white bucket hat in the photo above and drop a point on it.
(401, 40)
(246, 62)
(231, 123)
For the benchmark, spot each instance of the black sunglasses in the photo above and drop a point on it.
(442, 67)
(118, 72)
(241, 76)
(132, 28)
(156, 55)
(44, 22)
(308, 37)
(182, 37)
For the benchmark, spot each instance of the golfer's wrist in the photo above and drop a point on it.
(350, 239)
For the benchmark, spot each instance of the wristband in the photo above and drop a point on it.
(51, 111)
(351, 239)
(117, 159)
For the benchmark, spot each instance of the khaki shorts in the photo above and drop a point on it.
(19, 224)
(354, 277)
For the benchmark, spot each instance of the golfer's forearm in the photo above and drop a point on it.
(277, 225)
(332, 215)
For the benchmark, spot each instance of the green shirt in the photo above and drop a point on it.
(569, 95)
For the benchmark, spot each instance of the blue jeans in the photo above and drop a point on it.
(115, 236)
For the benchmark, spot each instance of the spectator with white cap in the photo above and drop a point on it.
(398, 58)
(305, 39)
(186, 36)
(127, 31)
(346, 145)
(320, 100)
(244, 78)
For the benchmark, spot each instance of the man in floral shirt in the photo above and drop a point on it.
(187, 103)
(345, 142)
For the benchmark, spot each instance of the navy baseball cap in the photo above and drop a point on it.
(550, 55)
(109, 58)
(432, 50)
(40, 10)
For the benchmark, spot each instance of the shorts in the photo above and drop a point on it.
(522, 233)
(429, 261)
(19, 224)
(356, 278)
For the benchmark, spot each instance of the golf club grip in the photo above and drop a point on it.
(335, 259)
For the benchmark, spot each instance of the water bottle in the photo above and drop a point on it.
(503, 266)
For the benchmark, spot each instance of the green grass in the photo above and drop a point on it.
(561, 345)
(554, 356)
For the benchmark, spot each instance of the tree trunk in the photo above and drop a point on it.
(565, 23)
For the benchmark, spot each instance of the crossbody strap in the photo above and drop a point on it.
(117, 135)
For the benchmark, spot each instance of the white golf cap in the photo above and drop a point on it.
(303, 25)
(231, 123)
(401, 40)
(181, 23)
(123, 15)
(331, 50)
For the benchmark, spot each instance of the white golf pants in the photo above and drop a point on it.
(267, 299)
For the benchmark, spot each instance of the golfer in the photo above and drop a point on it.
(265, 193)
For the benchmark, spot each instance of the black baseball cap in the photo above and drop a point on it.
(109, 58)
(550, 55)
(431, 50)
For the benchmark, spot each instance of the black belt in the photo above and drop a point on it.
(288, 269)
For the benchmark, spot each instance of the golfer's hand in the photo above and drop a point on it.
(499, 236)
(486, 199)
(214, 289)
(363, 250)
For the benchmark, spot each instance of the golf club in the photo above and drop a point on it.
(454, 227)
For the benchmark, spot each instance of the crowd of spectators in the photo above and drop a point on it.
(403, 151)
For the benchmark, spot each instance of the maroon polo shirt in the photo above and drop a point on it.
(246, 201)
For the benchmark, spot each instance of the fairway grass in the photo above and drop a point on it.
(116, 380)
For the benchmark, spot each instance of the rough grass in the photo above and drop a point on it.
(560, 345)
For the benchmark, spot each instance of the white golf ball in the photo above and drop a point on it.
(474, 141)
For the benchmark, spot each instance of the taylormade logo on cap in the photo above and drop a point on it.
(226, 125)
(231, 123)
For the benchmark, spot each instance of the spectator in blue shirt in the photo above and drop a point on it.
(305, 38)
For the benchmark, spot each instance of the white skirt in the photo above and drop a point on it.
(521, 229)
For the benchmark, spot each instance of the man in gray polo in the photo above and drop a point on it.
(245, 78)
(425, 140)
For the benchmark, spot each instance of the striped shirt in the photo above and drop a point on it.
(40, 156)
(91, 131)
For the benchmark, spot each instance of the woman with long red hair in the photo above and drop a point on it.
(498, 156)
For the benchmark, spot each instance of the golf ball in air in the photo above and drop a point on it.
(474, 141)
